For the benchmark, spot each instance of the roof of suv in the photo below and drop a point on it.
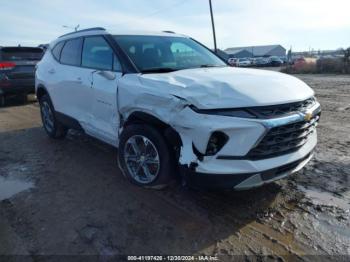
(102, 31)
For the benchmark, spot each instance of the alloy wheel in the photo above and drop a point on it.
(47, 116)
(142, 159)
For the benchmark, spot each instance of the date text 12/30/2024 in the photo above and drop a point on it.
(172, 258)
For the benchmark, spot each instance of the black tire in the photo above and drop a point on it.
(57, 131)
(166, 167)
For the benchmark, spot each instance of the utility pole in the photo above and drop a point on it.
(213, 26)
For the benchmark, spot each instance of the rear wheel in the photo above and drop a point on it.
(144, 157)
(52, 126)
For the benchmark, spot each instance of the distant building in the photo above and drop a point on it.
(222, 54)
(256, 51)
(238, 53)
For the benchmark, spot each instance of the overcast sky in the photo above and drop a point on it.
(302, 24)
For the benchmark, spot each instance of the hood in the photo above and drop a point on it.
(228, 87)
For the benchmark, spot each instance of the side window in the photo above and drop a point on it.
(116, 64)
(56, 51)
(71, 52)
(185, 55)
(98, 54)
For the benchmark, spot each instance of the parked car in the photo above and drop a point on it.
(275, 61)
(17, 66)
(284, 59)
(232, 61)
(252, 61)
(171, 106)
(243, 62)
(299, 61)
(261, 62)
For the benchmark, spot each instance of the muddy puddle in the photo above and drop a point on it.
(10, 187)
(324, 198)
(328, 222)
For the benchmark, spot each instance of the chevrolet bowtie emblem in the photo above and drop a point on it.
(308, 116)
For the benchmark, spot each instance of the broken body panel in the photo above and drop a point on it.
(168, 97)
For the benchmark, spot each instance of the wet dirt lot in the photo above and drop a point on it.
(69, 198)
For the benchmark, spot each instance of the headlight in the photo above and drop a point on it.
(242, 113)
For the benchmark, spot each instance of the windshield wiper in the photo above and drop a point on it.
(210, 66)
(206, 66)
(160, 70)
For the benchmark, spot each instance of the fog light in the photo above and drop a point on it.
(216, 143)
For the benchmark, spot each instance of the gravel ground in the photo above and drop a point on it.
(69, 198)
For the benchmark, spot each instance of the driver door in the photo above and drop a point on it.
(106, 72)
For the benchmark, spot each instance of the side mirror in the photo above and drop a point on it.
(108, 75)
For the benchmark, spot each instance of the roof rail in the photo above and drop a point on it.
(169, 32)
(85, 30)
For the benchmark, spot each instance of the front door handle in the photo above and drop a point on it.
(52, 71)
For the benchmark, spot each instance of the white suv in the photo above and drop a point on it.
(173, 107)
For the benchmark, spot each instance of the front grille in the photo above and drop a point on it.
(284, 139)
(280, 110)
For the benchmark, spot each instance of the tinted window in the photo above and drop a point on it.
(56, 51)
(21, 53)
(98, 54)
(154, 53)
(71, 53)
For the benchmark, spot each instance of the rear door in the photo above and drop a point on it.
(103, 117)
(71, 84)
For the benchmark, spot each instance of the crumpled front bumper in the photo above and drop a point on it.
(244, 134)
(243, 181)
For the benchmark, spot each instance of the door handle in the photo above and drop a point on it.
(79, 81)
(52, 71)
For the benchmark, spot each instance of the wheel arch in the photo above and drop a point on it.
(41, 91)
(171, 135)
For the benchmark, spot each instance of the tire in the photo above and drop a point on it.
(52, 126)
(160, 175)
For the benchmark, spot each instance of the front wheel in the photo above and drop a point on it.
(52, 126)
(144, 157)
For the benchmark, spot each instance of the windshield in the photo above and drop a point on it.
(166, 54)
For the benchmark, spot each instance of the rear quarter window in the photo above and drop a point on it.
(71, 52)
(56, 51)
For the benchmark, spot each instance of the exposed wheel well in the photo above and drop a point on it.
(171, 135)
(40, 92)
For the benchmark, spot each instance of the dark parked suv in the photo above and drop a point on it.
(17, 65)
